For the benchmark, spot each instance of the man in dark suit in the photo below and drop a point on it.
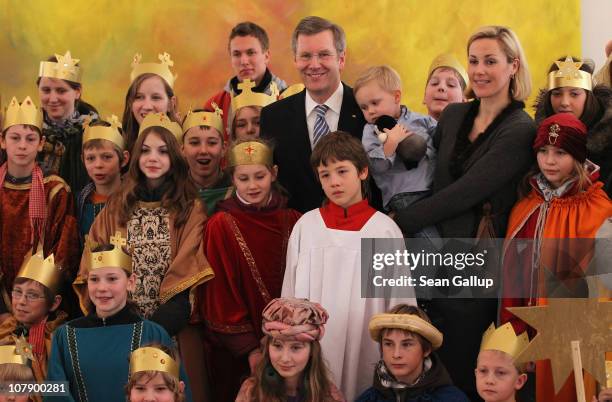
(296, 123)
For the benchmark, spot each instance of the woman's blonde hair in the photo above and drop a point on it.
(520, 83)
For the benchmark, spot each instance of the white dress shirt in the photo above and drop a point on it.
(333, 113)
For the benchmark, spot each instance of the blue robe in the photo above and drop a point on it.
(92, 355)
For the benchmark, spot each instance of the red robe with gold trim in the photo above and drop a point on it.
(61, 234)
(572, 215)
(247, 249)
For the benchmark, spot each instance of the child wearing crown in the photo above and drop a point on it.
(324, 259)
(560, 199)
(246, 109)
(157, 211)
(90, 353)
(104, 156)
(409, 369)
(245, 242)
(65, 112)
(571, 89)
(204, 148)
(33, 209)
(154, 375)
(498, 377)
(151, 91)
(35, 303)
(14, 368)
(446, 82)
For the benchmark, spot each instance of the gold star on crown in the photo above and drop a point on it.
(569, 75)
(249, 98)
(161, 120)
(153, 359)
(40, 269)
(115, 258)
(210, 119)
(250, 153)
(24, 113)
(161, 69)
(504, 339)
(111, 133)
(65, 68)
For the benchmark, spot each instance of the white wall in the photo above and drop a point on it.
(596, 21)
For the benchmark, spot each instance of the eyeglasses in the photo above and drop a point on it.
(17, 294)
(323, 56)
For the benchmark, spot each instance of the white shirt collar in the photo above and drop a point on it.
(334, 101)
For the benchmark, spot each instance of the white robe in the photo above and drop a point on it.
(324, 266)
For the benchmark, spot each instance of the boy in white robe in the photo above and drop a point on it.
(324, 260)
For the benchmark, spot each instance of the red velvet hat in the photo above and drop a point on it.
(565, 131)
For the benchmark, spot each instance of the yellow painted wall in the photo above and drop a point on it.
(406, 34)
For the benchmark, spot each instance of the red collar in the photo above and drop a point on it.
(352, 218)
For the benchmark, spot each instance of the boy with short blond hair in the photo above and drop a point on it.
(104, 156)
(498, 377)
(402, 157)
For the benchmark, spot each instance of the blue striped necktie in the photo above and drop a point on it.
(320, 128)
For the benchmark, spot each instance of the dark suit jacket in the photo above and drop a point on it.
(284, 122)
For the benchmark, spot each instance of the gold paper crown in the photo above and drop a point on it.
(407, 322)
(249, 98)
(40, 269)
(162, 120)
(210, 119)
(569, 75)
(26, 113)
(11, 354)
(250, 153)
(115, 258)
(162, 69)
(153, 359)
(504, 339)
(292, 90)
(65, 68)
(447, 60)
(111, 133)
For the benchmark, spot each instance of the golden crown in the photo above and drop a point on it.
(162, 69)
(11, 354)
(504, 339)
(292, 90)
(249, 98)
(153, 359)
(24, 113)
(210, 119)
(450, 61)
(250, 153)
(65, 68)
(40, 269)
(161, 120)
(111, 133)
(115, 258)
(569, 75)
